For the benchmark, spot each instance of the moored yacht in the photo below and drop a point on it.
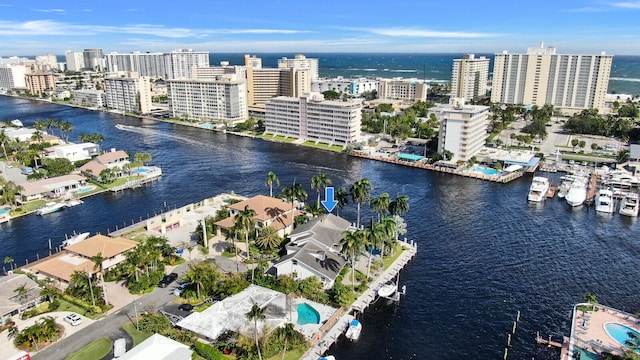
(76, 238)
(604, 201)
(577, 193)
(629, 205)
(50, 207)
(538, 189)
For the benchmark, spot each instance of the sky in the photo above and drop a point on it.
(29, 28)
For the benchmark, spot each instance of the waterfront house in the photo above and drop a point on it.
(314, 250)
(51, 188)
(12, 301)
(114, 159)
(77, 257)
(158, 347)
(270, 211)
(73, 152)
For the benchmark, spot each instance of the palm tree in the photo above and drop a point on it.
(98, 261)
(246, 222)
(4, 139)
(21, 291)
(255, 314)
(268, 239)
(293, 193)
(342, 199)
(143, 158)
(360, 192)
(380, 204)
(591, 299)
(272, 178)
(352, 243)
(388, 226)
(288, 332)
(400, 205)
(49, 292)
(319, 183)
(9, 260)
(66, 128)
(374, 236)
(196, 275)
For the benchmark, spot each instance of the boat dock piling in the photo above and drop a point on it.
(332, 330)
(510, 335)
(548, 342)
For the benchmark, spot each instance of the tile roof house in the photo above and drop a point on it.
(314, 250)
(270, 211)
(77, 257)
(114, 159)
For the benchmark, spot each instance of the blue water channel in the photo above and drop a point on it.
(484, 253)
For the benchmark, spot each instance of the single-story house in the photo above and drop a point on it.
(74, 152)
(314, 250)
(54, 187)
(12, 303)
(115, 159)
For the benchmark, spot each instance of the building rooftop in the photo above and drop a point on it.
(50, 184)
(108, 246)
(158, 347)
(8, 296)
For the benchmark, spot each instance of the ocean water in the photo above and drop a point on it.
(625, 72)
(484, 252)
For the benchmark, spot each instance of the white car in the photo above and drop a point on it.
(178, 291)
(73, 319)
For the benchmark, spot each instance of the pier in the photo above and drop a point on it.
(338, 323)
(548, 342)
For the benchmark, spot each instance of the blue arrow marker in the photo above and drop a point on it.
(329, 203)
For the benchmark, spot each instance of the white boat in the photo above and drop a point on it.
(564, 188)
(387, 289)
(76, 238)
(17, 122)
(577, 193)
(328, 357)
(354, 329)
(50, 207)
(629, 205)
(604, 201)
(73, 202)
(538, 189)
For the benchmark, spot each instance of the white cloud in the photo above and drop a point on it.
(58, 11)
(627, 4)
(414, 32)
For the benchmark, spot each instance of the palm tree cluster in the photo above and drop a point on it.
(144, 266)
(31, 338)
(8, 191)
(204, 276)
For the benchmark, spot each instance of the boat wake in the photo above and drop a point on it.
(161, 134)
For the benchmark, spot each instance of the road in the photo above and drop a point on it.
(111, 325)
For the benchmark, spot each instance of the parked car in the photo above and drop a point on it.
(167, 279)
(73, 319)
(185, 307)
(180, 289)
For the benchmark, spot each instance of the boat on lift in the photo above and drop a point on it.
(354, 329)
(387, 289)
(76, 238)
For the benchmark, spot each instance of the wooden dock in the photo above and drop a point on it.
(548, 342)
(552, 192)
(592, 189)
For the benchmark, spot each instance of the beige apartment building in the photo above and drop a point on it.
(402, 89)
(131, 93)
(463, 129)
(39, 82)
(542, 77)
(469, 77)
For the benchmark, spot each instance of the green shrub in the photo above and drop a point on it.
(207, 351)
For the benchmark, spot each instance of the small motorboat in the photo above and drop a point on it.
(76, 238)
(629, 205)
(604, 201)
(387, 289)
(354, 329)
(50, 207)
(17, 123)
(73, 202)
(538, 189)
(328, 357)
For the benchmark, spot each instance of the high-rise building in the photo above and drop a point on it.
(214, 72)
(93, 59)
(300, 62)
(75, 60)
(179, 63)
(37, 83)
(212, 100)
(352, 87)
(145, 64)
(469, 77)
(266, 83)
(402, 89)
(312, 118)
(131, 93)
(542, 77)
(12, 76)
(46, 62)
(463, 129)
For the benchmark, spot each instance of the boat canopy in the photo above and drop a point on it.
(512, 168)
(355, 322)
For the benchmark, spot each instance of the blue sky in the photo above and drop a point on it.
(426, 26)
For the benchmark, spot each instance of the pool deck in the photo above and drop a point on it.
(588, 333)
(339, 322)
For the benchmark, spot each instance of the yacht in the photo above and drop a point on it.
(604, 201)
(538, 189)
(387, 289)
(565, 185)
(577, 193)
(73, 202)
(354, 329)
(50, 207)
(629, 205)
(76, 238)
(17, 123)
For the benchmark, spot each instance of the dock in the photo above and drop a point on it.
(551, 192)
(548, 342)
(338, 323)
(592, 188)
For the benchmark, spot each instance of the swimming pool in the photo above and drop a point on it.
(142, 170)
(619, 332)
(207, 126)
(83, 190)
(4, 210)
(486, 170)
(307, 314)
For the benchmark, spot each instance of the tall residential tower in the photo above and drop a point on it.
(469, 77)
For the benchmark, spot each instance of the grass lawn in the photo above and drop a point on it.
(322, 146)
(277, 138)
(67, 306)
(137, 335)
(95, 350)
(289, 355)
(398, 250)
